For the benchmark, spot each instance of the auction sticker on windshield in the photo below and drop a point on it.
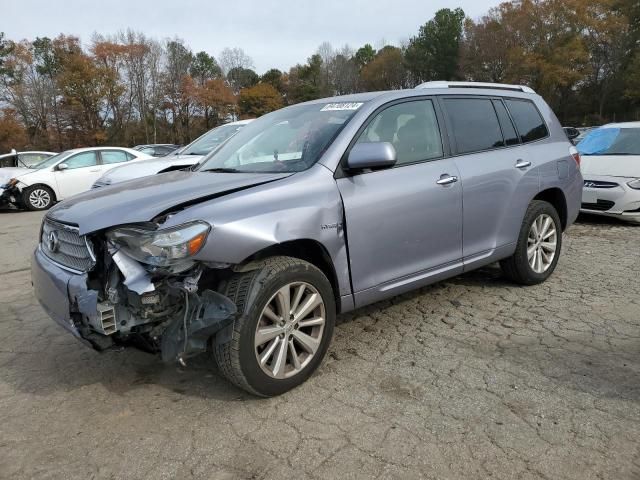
(341, 106)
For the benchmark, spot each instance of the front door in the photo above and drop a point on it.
(403, 224)
(82, 170)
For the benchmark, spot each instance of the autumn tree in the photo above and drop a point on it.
(216, 100)
(258, 100)
(12, 131)
(386, 71)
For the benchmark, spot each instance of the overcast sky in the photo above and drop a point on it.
(274, 33)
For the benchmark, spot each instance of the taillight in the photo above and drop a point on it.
(573, 151)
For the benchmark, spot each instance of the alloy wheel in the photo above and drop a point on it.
(39, 198)
(542, 243)
(289, 330)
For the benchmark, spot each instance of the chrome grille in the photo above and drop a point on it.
(64, 245)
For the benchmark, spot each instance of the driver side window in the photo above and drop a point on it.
(411, 127)
(81, 160)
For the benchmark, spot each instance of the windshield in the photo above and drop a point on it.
(51, 161)
(288, 140)
(210, 140)
(611, 141)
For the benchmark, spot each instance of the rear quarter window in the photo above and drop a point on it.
(528, 120)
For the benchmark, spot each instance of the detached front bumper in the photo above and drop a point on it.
(186, 332)
(60, 292)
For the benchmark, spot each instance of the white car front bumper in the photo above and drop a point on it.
(610, 196)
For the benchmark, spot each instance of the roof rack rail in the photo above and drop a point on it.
(495, 86)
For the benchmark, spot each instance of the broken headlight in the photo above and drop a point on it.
(161, 247)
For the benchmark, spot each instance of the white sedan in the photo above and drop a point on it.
(62, 175)
(611, 169)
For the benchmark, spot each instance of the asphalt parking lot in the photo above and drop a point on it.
(470, 378)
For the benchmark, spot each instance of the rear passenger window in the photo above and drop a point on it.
(113, 156)
(528, 121)
(508, 132)
(475, 124)
(411, 127)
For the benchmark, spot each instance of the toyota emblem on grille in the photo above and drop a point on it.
(589, 184)
(52, 242)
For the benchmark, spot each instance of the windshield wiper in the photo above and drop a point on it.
(222, 170)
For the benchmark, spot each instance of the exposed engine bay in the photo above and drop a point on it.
(165, 310)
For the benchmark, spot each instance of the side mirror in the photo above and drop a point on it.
(62, 166)
(13, 151)
(372, 155)
(572, 133)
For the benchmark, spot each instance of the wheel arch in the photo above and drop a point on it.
(309, 250)
(41, 184)
(557, 198)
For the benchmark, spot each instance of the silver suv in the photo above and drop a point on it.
(311, 211)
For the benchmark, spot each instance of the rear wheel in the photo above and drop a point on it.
(287, 314)
(38, 197)
(538, 247)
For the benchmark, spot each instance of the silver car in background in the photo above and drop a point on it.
(184, 158)
(310, 211)
(611, 169)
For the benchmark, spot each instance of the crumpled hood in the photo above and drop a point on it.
(610, 165)
(144, 168)
(142, 199)
(7, 173)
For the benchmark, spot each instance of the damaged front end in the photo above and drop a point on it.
(133, 286)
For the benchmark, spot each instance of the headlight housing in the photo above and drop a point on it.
(635, 184)
(163, 247)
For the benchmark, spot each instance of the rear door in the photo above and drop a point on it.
(112, 158)
(498, 177)
(82, 170)
(403, 228)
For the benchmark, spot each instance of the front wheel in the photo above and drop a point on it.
(38, 197)
(286, 318)
(538, 247)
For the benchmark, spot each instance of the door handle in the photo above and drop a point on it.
(95, 170)
(446, 179)
(522, 164)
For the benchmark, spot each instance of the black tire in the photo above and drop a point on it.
(251, 291)
(45, 193)
(516, 268)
